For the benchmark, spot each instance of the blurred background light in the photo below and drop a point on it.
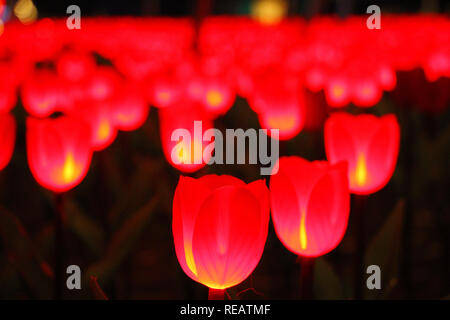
(26, 11)
(269, 11)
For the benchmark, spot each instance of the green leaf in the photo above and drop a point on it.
(97, 292)
(327, 285)
(89, 232)
(140, 187)
(122, 243)
(384, 251)
(22, 255)
(44, 240)
(85, 227)
(11, 287)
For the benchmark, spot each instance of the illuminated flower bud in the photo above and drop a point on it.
(100, 116)
(217, 97)
(279, 105)
(370, 146)
(182, 131)
(59, 152)
(220, 227)
(41, 94)
(75, 66)
(310, 205)
(129, 109)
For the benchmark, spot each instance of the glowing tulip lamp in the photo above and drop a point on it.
(41, 94)
(279, 106)
(370, 146)
(8, 97)
(130, 111)
(100, 115)
(185, 152)
(59, 152)
(310, 207)
(218, 98)
(220, 227)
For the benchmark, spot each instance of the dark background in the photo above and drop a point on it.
(186, 7)
(118, 223)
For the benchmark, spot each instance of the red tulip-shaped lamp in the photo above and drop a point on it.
(279, 104)
(310, 205)
(218, 96)
(368, 143)
(310, 208)
(41, 94)
(100, 117)
(220, 227)
(7, 138)
(59, 152)
(182, 131)
(163, 91)
(8, 97)
(337, 92)
(130, 110)
(286, 115)
(75, 66)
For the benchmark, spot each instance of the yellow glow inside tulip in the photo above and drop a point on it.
(164, 96)
(303, 236)
(221, 246)
(69, 170)
(182, 152)
(361, 171)
(125, 118)
(366, 91)
(186, 154)
(43, 104)
(104, 130)
(214, 98)
(338, 91)
(281, 122)
(190, 257)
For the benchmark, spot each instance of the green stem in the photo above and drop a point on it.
(306, 278)
(216, 294)
(59, 246)
(359, 206)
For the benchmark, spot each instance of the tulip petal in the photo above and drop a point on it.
(58, 151)
(285, 208)
(189, 196)
(327, 219)
(213, 181)
(260, 191)
(382, 153)
(310, 204)
(339, 144)
(226, 246)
